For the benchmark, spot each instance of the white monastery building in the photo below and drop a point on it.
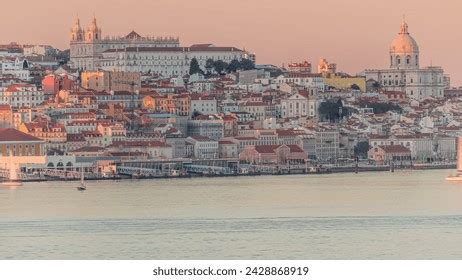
(134, 53)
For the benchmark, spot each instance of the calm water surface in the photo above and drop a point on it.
(404, 215)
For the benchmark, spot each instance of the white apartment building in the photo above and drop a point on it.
(422, 147)
(17, 67)
(301, 104)
(203, 147)
(166, 61)
(134, 53)
(42, 50)
(205, 105)
(87, 45)
(22, 95)
(327, 144)
(307, 80)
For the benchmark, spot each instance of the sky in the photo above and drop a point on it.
(355, 34)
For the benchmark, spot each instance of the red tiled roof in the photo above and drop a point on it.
(90, 149)
(13, 135)
(5, 107)
(269, 149)
(393, 149)
(201, 138)
(226, 142)
(140, 144)
(302, 75)
(193, 48)
(75, 138)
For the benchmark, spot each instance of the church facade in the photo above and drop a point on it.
(87, 45)
(405, 73)
(89, 51)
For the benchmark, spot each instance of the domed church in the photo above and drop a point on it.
(405, 73)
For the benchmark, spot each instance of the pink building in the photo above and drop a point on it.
(273, 154)
(52, 84)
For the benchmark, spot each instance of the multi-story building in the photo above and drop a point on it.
(17, 67)
(19, 144)
(203, 147)
(423, 147)
(134, 53)
(301, 104)
(22, 95)
(206, 105)
(228, 149)
(308, 80)
(166, 61)
(6, 116)
(87, 45)
(304, 67)
(52, 84)
(53, 134)
(178, 104)
(324, 67)
(327, 144)
(42, 50)
(206, 125)
(112, 132)
(110, 80)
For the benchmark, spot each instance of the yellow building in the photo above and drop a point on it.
(172, 103)
(6, 116)
(340, 81)
(107, 81)
(18, 144)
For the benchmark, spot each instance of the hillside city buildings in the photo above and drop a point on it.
(129, 104)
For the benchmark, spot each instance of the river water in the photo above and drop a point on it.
(382, 215)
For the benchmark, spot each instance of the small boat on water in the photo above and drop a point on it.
(82, 186)
(458, 176)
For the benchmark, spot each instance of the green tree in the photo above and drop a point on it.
(361, 149)
(376, 85)
(355, 87)
(380, 107)
(209, 66)
(194, 67)
(233, 66)
(332, 110)
(220, 66)
(247, 64)
(195, 114)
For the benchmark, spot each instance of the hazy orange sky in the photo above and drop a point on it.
(354, 34)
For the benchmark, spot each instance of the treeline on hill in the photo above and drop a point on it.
(380, 107)
(334, 111)
(220, 67)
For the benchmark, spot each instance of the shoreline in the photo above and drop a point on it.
(332, 170)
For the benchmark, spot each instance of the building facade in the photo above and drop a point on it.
(405, 73)
(110, 80)
(90, 51)
(87, 45)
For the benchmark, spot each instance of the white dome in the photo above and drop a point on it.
(404, 43)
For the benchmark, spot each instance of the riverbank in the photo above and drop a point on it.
(325, 170)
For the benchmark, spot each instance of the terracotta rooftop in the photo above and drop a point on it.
(393, 149)
(13, 135)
